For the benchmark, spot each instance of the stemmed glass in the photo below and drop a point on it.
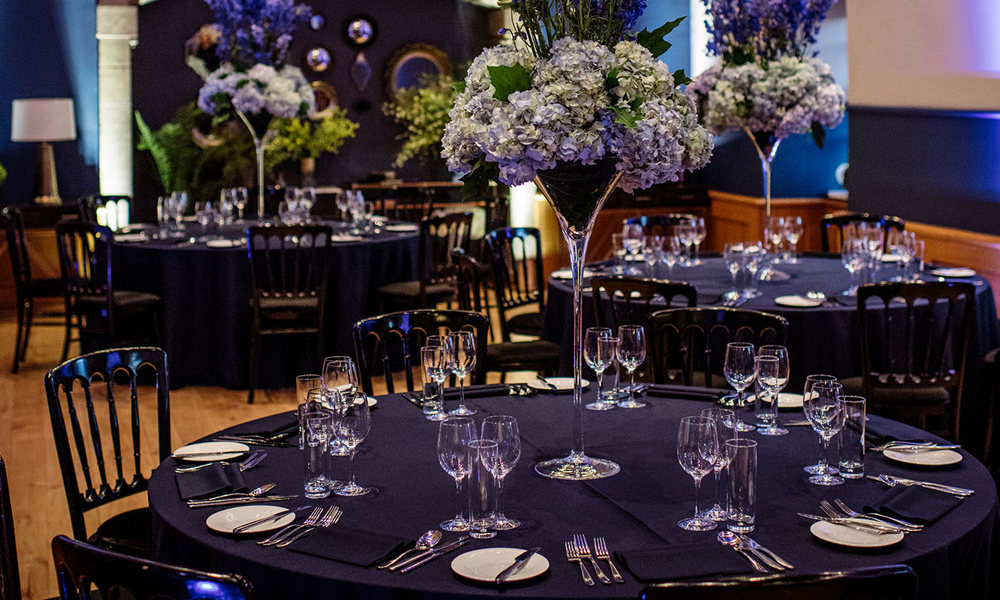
(599, 350)
(178, 204)
(725, 429)
(825, 410)
(454, 435)
(671, 253)
(503, 430)
(344, 202)
(652, 253)
(340, 373)
(793, 233)
(739, 369)
(699, 233)
(697, 452)
(755, 257)
(435, 362)
(774, 231)
(631, 353)
(684, 230)
(773, 377)
(732, 256)
(807, 391)
(352, 420)
(462, 359)
(240, 197)
(307, 199)
(632, 241)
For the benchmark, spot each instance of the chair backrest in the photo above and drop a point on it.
(624, 300)
(390, 344)
(10, 581)
(289, 262)
(81, 567)
(468, 281)
(890, 582)
(836, 222)
(17, 247)
(910, 345)
(439, 235)
(400, 204)
(88, 205)
(96, 433)
(85, 266)
(658, 224)
(689, 344)
(518, 273)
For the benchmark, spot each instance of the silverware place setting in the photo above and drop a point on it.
(842, 511)
(862, 525)
(893, 481)
(250, 462)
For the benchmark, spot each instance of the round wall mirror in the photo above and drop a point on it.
(360, 30)
(318, 59)
(325, 100)
(317, 22)
(412, 61)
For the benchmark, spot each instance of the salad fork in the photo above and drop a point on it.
(601, 550)
(331, 516)
(837, 514)
(905, 525)
(583, 551)
(573, 556)
(288, 529)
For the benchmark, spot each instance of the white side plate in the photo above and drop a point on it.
(955, 272)
(225, 521)
(789, 400)
(486, 563)
(926, 458)
(210, 451)
(797, 301)
(847, 536)
(563, 384)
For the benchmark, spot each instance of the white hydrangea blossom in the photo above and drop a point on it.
(567, 116)
(285, 93)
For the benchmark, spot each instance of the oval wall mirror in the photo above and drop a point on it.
(360, 30)
(412, 61)
(325, 100)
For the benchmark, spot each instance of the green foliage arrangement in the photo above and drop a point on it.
(295, 139)
(423, 111)
(3, 174)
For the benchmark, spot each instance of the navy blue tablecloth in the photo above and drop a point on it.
(206, 313)
(636, 509)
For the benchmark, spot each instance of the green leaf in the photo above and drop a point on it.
(477, 181)
(653, 40)
(681, 78)
(611, 79)
(148, 141)
(626, 116)
(819, 134)
(459, 86)
(507, 80)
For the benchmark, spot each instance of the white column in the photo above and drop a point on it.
(117, 34)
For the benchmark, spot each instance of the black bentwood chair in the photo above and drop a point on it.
(10, 581)
(836, 223)
(27, 289)
(891, 582)
(82, 568)
(518, 279)
(95, 404)
(389, 345)
(624, 300)
(691, 342)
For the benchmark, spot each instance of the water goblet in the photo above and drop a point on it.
(732, 257)
(725, 429)
(773, 378)
(179, 202)
(697, 452)
(793, 233)
(303, 385)
(340, 373)
(599, 350)
(684, 230)
(825, 411)
(807, 391)
(671, 253)
(755, 259)
(618, 253)
(700, 232)
(631, 353)
(739, 368)
(240, 197)
(454, 435)
(774, 232)
(307, 200)
(503, 430)
(435, 366)
(652, 253)
(352, 422)
(343, 203)
(632, 240)
(462, 346)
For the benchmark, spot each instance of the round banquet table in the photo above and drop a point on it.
(206, 314)
(638, 508)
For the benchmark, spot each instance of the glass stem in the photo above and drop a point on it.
(697, 489)
(600, 386)
(461, 390)
(259, 146)
(824, 463)
(577, 249)
(354, 451)
(499, 487)
(631, 385)
(718, 475)
(458, 498)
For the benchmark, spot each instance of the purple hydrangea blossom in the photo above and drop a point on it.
(766, 29)
(256, 31)
(262, 89)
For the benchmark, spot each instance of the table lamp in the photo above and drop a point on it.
(44, 120)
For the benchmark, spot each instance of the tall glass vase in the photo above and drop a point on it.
(258, 125)
(576, 193)
(767, 146)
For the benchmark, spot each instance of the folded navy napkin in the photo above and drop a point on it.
(215, 478)
(477, 391)
(351, 546)
(877, 434)
(914, 503)
(683, 561)
(287, 422)
(683, 392)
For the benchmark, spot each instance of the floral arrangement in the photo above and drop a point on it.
(256, 31)
(3, 175)
(294, 139)
(766, 82)
(260, 90)
(423, 111)
(576, 88)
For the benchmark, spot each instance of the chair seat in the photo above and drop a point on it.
(903, 397)
(525, 324)
(44, 288)
(536, 354)
(296, 303)
(128, 532)
(121, 299)
(411, 289)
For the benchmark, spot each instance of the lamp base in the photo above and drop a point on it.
(47, 186)
(49, 200)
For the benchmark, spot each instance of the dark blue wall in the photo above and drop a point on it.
(43, 57)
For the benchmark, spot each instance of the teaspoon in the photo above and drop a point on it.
(729, 538)
(427, 541)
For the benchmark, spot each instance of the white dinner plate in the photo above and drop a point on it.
(953, 272)
(797, 301)
(925, 458)
(225, 521)
(345, 237)
(563, 384)
(223, 243)
(403, 227)
(848, 536)
(210, 451)
(485, 564)
(890, 258)
(567, 274)
(131, 237)
(789, 400)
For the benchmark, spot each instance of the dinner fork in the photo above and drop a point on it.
(601, 550)
(251, 461)
(904, 525)
(573, 556)
(583, 550)
(284, 531)
(833, 513)
(332, 516)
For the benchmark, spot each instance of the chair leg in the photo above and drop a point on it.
(30, 314)
(17, 339)
(69, 335)
(254, 363)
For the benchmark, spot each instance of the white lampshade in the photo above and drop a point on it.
(42, 120)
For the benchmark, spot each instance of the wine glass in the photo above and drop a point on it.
(462, 345)
(240, 197)
(340, 375)
(631, 353)
(793, 233)
(732, 256)
(825, 411)
(773, 378)
(807, 391)
(503, 430)
(652, 253)
(697, 452)
(632, 241)
(307, 200)
(435, 364)
(599, 350)
(755, 258)
(739, 369)
(179, 200)
(684, 230)
(699, 233)
(352, 421)
(344, 202)
(671, 253)
(774, 232)
(454, 435)
(725, 429)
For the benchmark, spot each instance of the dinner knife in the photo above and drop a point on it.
(548, 383)
(940, 487)
(189, 455)
(425, 554)
(519, 561)
(268, 519)
(228, 501)
(444, 550)
(855, 523)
